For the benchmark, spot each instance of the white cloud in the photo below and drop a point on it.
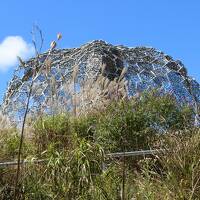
(10, 48)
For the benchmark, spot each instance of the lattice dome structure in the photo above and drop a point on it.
(81, 78)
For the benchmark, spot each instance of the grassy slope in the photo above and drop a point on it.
(75, 148)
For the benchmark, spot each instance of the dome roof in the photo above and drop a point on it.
(97, 71)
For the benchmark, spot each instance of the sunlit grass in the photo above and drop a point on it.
(75, 149)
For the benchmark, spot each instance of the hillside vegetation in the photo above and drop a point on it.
(76, 165)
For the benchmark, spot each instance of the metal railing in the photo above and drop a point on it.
(114, 155)
(136, 153)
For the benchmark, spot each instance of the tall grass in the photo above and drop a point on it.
(75, 148)
(4, 122)
(175, 174)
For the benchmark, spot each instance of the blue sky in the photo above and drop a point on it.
(172, 26)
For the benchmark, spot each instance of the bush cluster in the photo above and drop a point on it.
(74, 149)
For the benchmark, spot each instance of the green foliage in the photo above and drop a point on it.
(52, 129)
(179, 169)
(125, 125)
(76, 167)
(136, 124)
(71, 173)
(9, 144)
(85, 126)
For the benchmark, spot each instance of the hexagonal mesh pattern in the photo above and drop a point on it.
(78, 79)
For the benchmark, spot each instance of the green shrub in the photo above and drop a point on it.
(136, 124)
(52, 129)
(125, 125)
(85, 126)
(9, 145)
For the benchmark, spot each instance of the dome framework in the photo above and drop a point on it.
(79, 79)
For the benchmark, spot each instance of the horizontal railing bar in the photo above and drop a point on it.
(10, 163)
(136, 153)
(117, 154)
